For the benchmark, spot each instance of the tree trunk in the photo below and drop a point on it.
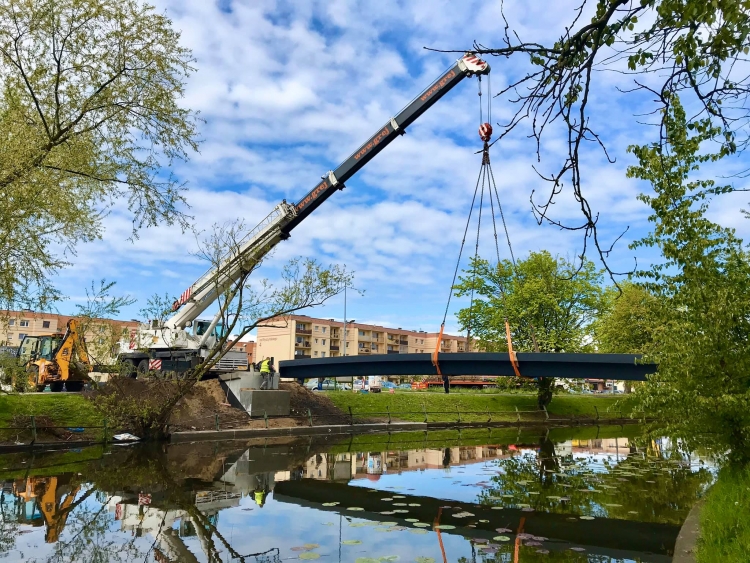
(544, 393)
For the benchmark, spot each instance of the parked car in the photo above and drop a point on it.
(388, 385)
(327, 385)
(405, 386)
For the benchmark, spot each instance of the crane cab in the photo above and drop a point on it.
(201, 326)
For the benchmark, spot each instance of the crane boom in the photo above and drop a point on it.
(152, 346)
(277, 226)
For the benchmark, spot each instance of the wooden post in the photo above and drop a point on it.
(518, 414)
(424, 408)
(309, 416)
(351, 416)
(597, 412)
(388, 409)
(546, 414)
(216, 420)
(105, 430)
(33, 429)
(265, 417)
(459, 414)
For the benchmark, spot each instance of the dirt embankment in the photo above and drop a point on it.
(198, 410)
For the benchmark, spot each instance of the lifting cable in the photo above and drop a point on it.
(488, 180)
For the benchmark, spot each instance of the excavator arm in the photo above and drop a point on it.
(285, 217)
(72, 345)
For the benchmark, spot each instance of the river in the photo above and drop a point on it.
(606, 494)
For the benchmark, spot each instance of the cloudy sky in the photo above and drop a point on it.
(289, 89)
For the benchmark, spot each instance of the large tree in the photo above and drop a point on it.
(701, 389)
(90, 116)
(692, 48)
(630, 321)
(549, 303)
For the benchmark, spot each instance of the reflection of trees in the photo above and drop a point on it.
(647, 489)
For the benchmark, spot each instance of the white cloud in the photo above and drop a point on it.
(290, 89)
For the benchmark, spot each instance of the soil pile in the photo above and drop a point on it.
(198, 409)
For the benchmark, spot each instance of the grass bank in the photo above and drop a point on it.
(725, 519)
(411, 406)
(67, 410)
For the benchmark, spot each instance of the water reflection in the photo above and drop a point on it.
(477, 497)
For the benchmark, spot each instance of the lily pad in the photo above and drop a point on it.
(330, 503)
(309, 555)
(351, 542)
(311, 546)
(355, 509)
(328, 524)
(483, 521)
(503, 530)
(399, 504)
(387, 499)
(381, 529)
(421, 525)
(579, 549)
(411, 519)
(388, 523)
(586, 518)
(366, 560)
(543, 551)
(357, 525)
(445, 527)
(414, 504)
(501, 538)
(399, 496)
(424, 560)
(388, 558)
(417, 531)
(401, 511)
(388, 512)
(497, 508)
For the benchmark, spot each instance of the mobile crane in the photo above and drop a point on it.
(170, 346)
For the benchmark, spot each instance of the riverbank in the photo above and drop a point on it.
(412, 406)
(67, 418)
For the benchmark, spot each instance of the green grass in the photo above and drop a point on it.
(725, 519)
(410, 406)
(62, 409)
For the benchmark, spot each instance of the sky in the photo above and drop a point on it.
(287, 90)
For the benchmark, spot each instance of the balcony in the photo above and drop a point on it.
(393, 351)
(404, 342)
(302, 356)
(302, 344)
(334, 348)
(364, 350)
(303, 330)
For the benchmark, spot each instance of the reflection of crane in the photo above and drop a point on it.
(53, 500)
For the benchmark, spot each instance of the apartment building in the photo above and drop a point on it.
(300, 336)
(248, 348)
(100, 336)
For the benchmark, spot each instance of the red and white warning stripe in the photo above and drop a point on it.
(154, 365)
(473, 62)
(184, 297)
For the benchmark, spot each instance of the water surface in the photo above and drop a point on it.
(591, 494)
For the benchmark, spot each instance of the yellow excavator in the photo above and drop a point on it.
(56, 359)
(51, 499)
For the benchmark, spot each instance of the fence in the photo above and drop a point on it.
(102, 433)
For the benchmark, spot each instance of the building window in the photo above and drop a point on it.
(322, 354)
(10, 337)
(324, 342)
(24, 323)
(323, 330)
(12, 322)
(315, 353)
(21, 335)
(347, 344)
(316, 341)
(317, 328)
(45, 324)
(361, 332)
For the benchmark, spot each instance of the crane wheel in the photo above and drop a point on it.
(56, 386)
(142, 368)
(74, 386)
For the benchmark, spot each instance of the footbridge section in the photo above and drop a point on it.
(627, 367)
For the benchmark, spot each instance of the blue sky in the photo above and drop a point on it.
(289, 89)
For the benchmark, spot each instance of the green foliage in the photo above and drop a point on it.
(630, 321)
(548, 301)
(90, 114)
(547, 293)
(725, 518)
(702, 387)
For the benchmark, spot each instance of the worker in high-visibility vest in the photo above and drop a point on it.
(265, 373)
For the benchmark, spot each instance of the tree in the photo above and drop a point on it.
(691, 48)
(243, 304)
(549, 303)
(89, 118)
(630, 321)
(701, 390)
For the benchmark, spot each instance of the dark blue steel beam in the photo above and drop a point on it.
(574, 366)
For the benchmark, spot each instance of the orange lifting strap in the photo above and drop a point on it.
(511, 352)
(437, 350)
